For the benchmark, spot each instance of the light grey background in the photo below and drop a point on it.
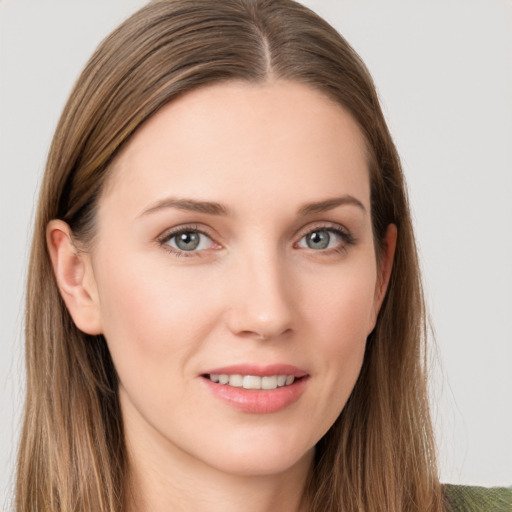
(443, 69)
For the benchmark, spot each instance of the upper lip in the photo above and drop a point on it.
(258, 370)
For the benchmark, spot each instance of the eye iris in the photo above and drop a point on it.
(318, 240)
(187, 241)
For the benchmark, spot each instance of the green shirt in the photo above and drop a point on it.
(462, 498)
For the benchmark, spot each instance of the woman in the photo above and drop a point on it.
(224, 306)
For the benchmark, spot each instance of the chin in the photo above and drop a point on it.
(263, 463)
(260, 453)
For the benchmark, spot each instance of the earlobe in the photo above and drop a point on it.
(385, 266)
(75, 277)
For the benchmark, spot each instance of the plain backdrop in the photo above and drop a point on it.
(443, 70)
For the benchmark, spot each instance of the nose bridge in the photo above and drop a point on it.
(262, 303)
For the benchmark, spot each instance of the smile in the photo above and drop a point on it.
(252, 381)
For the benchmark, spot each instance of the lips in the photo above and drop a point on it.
(257, 389)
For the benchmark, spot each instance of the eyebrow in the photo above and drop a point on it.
(208, 207)
(213, 208)
(330, 204)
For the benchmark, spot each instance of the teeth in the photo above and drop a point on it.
(253, 381)
(269, 382)
(236, 381)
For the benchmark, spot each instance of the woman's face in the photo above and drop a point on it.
(235, 245)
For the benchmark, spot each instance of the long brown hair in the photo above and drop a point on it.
(379, 454)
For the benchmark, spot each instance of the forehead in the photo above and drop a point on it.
(238, 140)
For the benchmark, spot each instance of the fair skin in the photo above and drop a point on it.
(273, 278)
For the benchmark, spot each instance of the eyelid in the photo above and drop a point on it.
(339, 229)
(168, 234)
(326, 225)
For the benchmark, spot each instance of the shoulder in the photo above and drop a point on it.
(462, 498)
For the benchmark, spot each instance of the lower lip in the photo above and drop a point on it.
(255, 401)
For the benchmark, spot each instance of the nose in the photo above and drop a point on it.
(261, 299)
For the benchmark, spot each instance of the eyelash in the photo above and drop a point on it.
(169, 235)
(346, 236)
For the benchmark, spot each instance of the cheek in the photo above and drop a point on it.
(341, 317)
(152, 318)
(341, 303)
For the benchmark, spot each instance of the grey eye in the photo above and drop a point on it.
(318, 239)
(188, 241)
(321, 239)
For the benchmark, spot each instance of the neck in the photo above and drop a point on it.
(191, 486)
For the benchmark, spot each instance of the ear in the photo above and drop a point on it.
(384, 267)
(75, 278)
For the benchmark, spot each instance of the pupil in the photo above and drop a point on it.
(187, 241)
(318, 240)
